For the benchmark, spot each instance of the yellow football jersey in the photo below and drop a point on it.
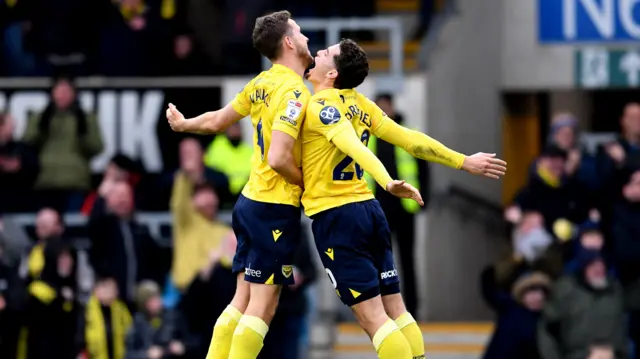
(331, 179)
(276, 100)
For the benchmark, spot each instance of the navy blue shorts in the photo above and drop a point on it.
(354, 242)
(268, 235)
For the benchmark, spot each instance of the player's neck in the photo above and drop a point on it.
(292, 63)
(320, 86)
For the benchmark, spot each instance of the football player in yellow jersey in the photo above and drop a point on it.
(266, 218)
(350, 230)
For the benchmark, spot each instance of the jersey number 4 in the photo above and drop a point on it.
(339, 173)
(260, 138)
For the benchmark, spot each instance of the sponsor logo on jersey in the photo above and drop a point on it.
(329, 115)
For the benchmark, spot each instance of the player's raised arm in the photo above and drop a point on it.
(424, 147)
(342, 134)
(212, 122)
(206, 124)
(284, 134)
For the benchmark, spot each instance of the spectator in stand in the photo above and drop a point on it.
(12, 299)
(533, 249)
(617, 161)
(585, 308)
(552, 193)
(191, 155)
(518, 313)
(196, 229)
(53, 308)
(626, 249)
(156, 333)
(209, 294)
(121, 247)
(66, 139)
(589, 237)
(60, 34)
(120, 169)
(106, 323)
(579, 164)
(135, 37)
(231, 156)
(49, 231)
(18, 169)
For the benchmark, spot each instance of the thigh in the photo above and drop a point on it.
(345, 238)
(383, 252)
(271, 235)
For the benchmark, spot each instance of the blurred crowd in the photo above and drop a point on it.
(569, 285)
(109, 289)
(143, 37)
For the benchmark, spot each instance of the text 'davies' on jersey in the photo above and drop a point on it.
(331, 178)
(276, 100)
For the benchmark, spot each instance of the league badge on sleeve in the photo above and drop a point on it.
(294, 109)
(329, 115)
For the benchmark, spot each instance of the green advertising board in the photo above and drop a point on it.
(607, 68)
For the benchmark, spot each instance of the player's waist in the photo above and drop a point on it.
(316, 205)
(280, 194)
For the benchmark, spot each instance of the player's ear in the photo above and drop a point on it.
(332, 74)
(289, 42)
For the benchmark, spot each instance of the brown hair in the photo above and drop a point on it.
(352, 65)
(269, 31)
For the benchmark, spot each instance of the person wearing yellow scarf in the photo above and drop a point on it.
(101, 304)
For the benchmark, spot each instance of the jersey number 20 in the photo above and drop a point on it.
(339, 173)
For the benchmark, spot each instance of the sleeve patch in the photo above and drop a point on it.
(329, 115)
(293, 112)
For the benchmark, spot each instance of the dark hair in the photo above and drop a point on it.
(50, 110)
(352, 65)
(206, 186)
(553, 151)
(385, 96)
(268, 33)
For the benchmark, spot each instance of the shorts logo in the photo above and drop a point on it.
(252, 272)
(329, 115)
(276, 234)
(389, 274)
(287, 271)
(329, 252)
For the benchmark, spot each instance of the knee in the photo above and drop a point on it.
(241, 298)
(263, 301)
(394, 305)
(371, 315)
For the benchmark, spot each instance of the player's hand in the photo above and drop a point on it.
(485, 164)
(175, 118)
(401, 189)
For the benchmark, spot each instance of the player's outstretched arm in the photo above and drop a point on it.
(424, 147)
(206, 124)
(348, 142)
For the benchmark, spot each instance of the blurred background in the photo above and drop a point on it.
(114, 232)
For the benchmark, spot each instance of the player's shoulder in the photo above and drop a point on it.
(326, 109)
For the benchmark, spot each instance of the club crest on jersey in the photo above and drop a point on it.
(329, 115)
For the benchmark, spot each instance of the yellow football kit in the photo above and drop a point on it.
(276, 100)
(350, 229)
(266, 218)
(332, 178)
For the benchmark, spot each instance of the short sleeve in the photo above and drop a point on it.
(327, 119)
(378, 117)
(242, 103)
(292, 108)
